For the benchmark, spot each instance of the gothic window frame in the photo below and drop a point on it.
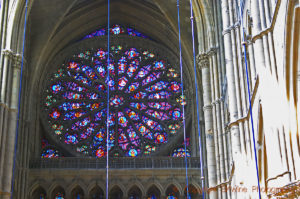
(127, 42)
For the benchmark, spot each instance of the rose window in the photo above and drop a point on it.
(145, 102)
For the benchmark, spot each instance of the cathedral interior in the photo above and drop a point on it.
(149, 99)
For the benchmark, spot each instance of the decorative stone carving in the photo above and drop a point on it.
(203, 60)
(7, 52)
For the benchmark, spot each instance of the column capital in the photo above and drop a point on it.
(17, 61)
(203, 60)
(7, 52)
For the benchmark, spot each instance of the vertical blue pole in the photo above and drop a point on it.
(182, 95)
(197, 99)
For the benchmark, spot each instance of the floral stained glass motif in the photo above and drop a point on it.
(144, 101)
(48, 151)
(117, 29)
(180, 152)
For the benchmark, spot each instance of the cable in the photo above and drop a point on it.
(197, 101)
(249, 97)
(182, 98)
(107, 116)
(19, 100)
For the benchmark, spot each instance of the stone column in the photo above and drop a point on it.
(251, 61)
(257, 44)
(11, 132)
(235, 134)
(231, 74)
(7, 57)
(203, 63)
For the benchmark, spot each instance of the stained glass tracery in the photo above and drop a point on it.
(116, 29)
(145, 102)
(49, 151)
(181, 152)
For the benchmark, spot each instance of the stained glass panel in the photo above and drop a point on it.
(145, 102)
(180, 152)
(117, 29)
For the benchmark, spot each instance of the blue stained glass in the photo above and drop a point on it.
(160, 95)
(135, 33)
(56, 88)
(101, 70)
(139, 95)
(132, 87)
(132, 53)
(171, 197)
(100, 135)
(139, 106)
(152, 197)
(122, 120)
(176, 114)
(133, 66)
(132, 115)
(115, 30)
(160, 105)
(175, 87)
(143, 72)
(157, 86)
(122, 82)
(160, 138)
(157, 114)
(122, 64)
(50, 153)
(71, 139)
(151, 78)
(74, 87)
(133, 152)
(159, 65)
(180, 152)
(59, 196)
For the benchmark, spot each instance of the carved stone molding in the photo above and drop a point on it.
(16, 58)
(17, 61)
(203, 60)
(7, 52)
(207, 107)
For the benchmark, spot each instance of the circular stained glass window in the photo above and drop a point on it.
(145, 102)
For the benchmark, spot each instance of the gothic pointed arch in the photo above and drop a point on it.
(116, 193)
(172, 192)
(96, 193)
(77, 193)
(135, 193)
(39, 193)
(153, 192)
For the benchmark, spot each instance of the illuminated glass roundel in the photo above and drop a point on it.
(144, 102)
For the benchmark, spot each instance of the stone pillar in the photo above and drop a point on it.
(231, 79)
(257, 45)
(251, 64)
(7, 57)
(233, 110)
(11, 131)
(203, 63)
(219, 124)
